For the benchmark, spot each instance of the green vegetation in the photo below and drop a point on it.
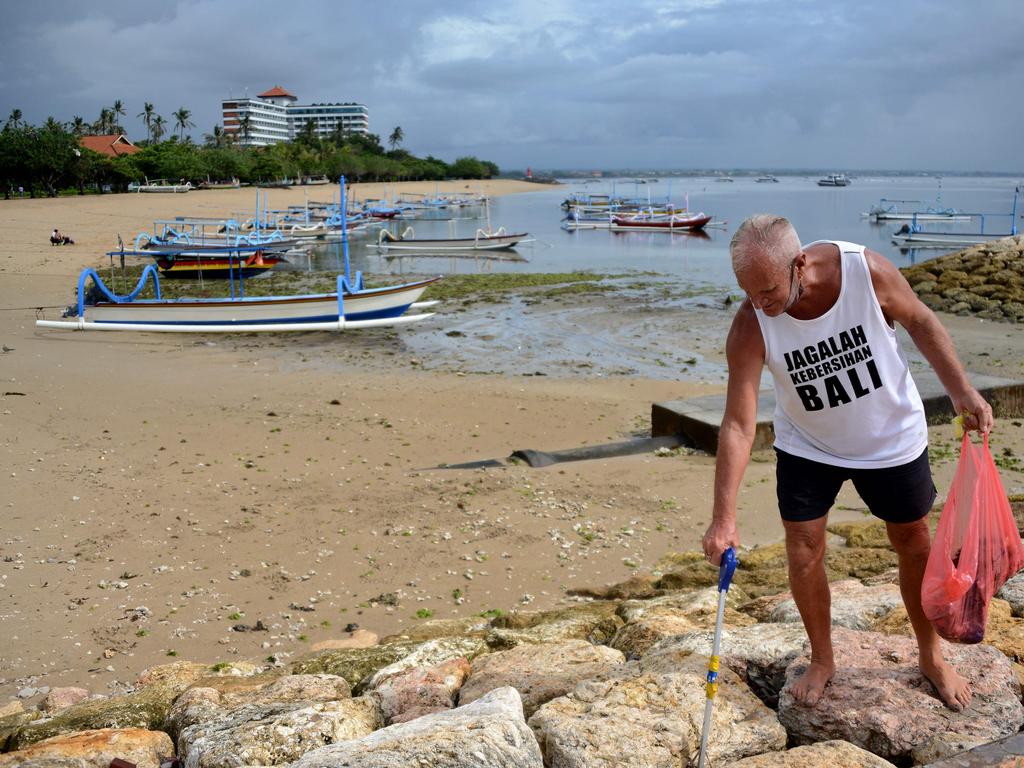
(47, 159)
(284, 283)
(424, 613)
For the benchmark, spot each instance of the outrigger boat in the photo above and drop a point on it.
(912, 236)
(482, 241)
(350, 306)
(658, 223)
(211, 263)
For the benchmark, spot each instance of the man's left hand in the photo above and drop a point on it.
(976, 412)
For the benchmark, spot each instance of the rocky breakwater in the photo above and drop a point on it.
(984, 280)
(616, 678)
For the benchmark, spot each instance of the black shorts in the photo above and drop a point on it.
(808, 489)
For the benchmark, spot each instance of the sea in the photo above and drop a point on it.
(833, 213)
(674, 294)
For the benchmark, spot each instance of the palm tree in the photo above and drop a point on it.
(216, 139)
(244, 125)
(102, 125)
(15, 119)
(158, 127)
(117, 111)
(78, 126)
(308, 131)
(181, 120)
(147, 114)
(396, 137)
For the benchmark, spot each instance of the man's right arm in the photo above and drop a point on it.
(745, 353)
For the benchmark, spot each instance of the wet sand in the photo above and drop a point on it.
(159, 491)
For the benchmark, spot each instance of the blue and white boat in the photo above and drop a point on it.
(912, 236)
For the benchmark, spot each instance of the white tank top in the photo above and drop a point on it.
(843, 391)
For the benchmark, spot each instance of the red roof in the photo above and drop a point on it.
(277, 90)
(111, 145)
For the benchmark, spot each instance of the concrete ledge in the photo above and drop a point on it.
(698, 420)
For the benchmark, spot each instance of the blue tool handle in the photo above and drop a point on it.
(727, 569)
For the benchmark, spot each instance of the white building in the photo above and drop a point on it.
(273, 116)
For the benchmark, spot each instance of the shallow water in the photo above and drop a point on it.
(816, 212)
(669, 317)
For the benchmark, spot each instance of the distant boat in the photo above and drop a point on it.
(888, 210)
(725, 178)
(834, 180)
(231, 184)
(160, 185)
(766, 179)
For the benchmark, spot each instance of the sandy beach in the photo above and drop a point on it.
(163, 494)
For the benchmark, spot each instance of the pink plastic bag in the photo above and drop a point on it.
(977, 548)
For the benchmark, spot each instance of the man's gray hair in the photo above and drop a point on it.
(765, 238)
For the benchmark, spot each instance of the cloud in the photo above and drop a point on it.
(655, 83)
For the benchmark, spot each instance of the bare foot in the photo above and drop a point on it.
(808, 688)
(953, 689)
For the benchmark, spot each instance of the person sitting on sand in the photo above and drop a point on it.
(822, 318)
(56, 238)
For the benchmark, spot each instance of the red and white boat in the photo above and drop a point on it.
(675, 222)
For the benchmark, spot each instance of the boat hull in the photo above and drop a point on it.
(942, 239)
(371, 304)
(193, 267)
(497, 242)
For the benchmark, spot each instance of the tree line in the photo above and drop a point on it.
(47, 159)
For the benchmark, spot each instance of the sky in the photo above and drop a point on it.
(658, 84)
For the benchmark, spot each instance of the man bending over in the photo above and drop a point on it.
(821, 317)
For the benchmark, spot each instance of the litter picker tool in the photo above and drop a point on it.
(725, 572)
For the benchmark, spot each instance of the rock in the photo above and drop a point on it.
(925, 286)
(11, 725)
(824, 754)
(759, 654)
(470, 626)
(654, 719)
(1004, 753)
(489, 733)
(355, 664)
(11, 708)
(273, 725)
(361, 638)
(421, 691)
(180, 675)
(62, 698)
(96, 749)
(637, 637)
(637, 587)
(650, 621)
(594, 622)
(1003, 630)
(539, 672)
(853, 605)
(870, 533)
(698, 602)
(877, 683)
(429, 654)
(1013, 593)
(145, 708)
